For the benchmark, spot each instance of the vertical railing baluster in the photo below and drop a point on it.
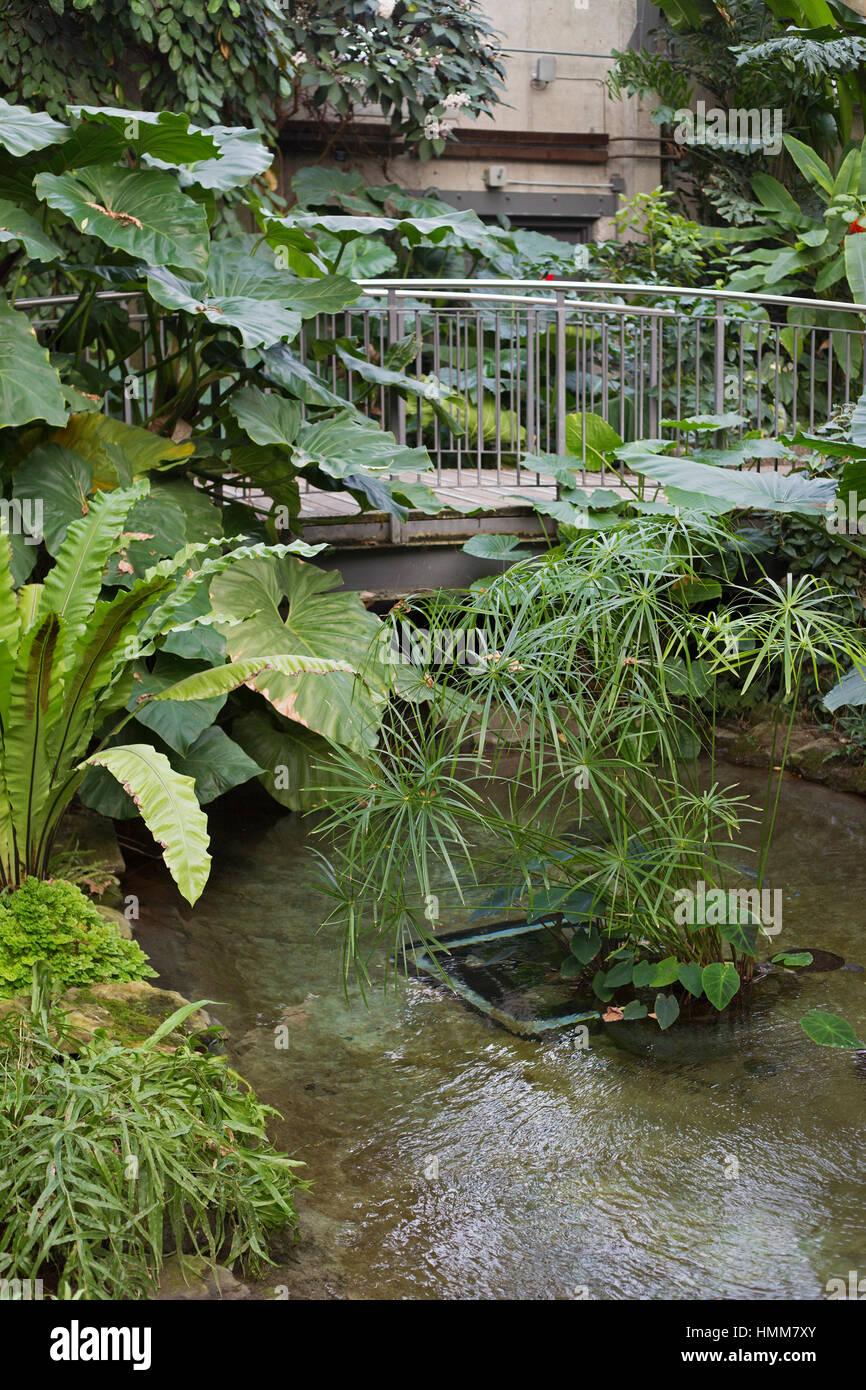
(561, 404)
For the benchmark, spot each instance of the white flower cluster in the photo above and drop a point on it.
(436, 125)
(385, 8)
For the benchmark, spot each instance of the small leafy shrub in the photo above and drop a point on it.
(129, 1154)
(54, 922)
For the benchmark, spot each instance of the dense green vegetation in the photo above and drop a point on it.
(53, 922)
(164, 638)
(170, 1139)
(256, 63)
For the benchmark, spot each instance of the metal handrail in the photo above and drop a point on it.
(550, 352)
(613, 286)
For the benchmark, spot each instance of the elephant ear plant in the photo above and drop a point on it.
(67, 666)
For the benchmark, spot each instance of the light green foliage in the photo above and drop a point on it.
(68, 662)
(56, 924)
(151, 1152)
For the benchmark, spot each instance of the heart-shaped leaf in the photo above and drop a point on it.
(141, 212)
(689, 976)
(666, 1010)
(720, 982)
(830, 1031)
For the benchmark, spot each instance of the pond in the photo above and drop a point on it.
(454, 1161)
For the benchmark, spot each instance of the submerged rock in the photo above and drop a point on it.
(193, 1278)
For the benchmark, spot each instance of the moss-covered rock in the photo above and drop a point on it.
(128, 1010)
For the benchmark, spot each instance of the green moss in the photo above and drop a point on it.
(54, 922)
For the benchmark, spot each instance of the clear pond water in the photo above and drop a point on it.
(452, 1160)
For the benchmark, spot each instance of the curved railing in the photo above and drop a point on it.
(633, 354)
(506, 369)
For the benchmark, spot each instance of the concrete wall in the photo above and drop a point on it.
(580, 35)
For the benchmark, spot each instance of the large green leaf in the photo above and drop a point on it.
(319, 623)
(166, 136)
(100, 650)
(830, 1031)
(260, 321)
(348, 353)
(29, 386)
(768, 492)
(666, 1009)
(61, 481)
(590, 438)
(104, 442)
(18, 225)
(364, 259)
(299, 769)
(141, 212)
(269, 469)
(242, 157)
(34, 710)
(850, 690)
(345, 444)
(720, 982)
(463, 228)
(774, 195)
(855, 266)
(202, 519)
(73, 585)
(811, 166)
(155, 528)
(496, 545)
(236, 271)
(283, 366)
(197, 565)
(216, 763)
(23, 130)
(168, 806)
(179, 723)
(266, 417)
(209, 684)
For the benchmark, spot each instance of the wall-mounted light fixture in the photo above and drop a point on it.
(545, 72)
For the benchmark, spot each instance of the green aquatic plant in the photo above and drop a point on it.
(558, 772)
(68, 666)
